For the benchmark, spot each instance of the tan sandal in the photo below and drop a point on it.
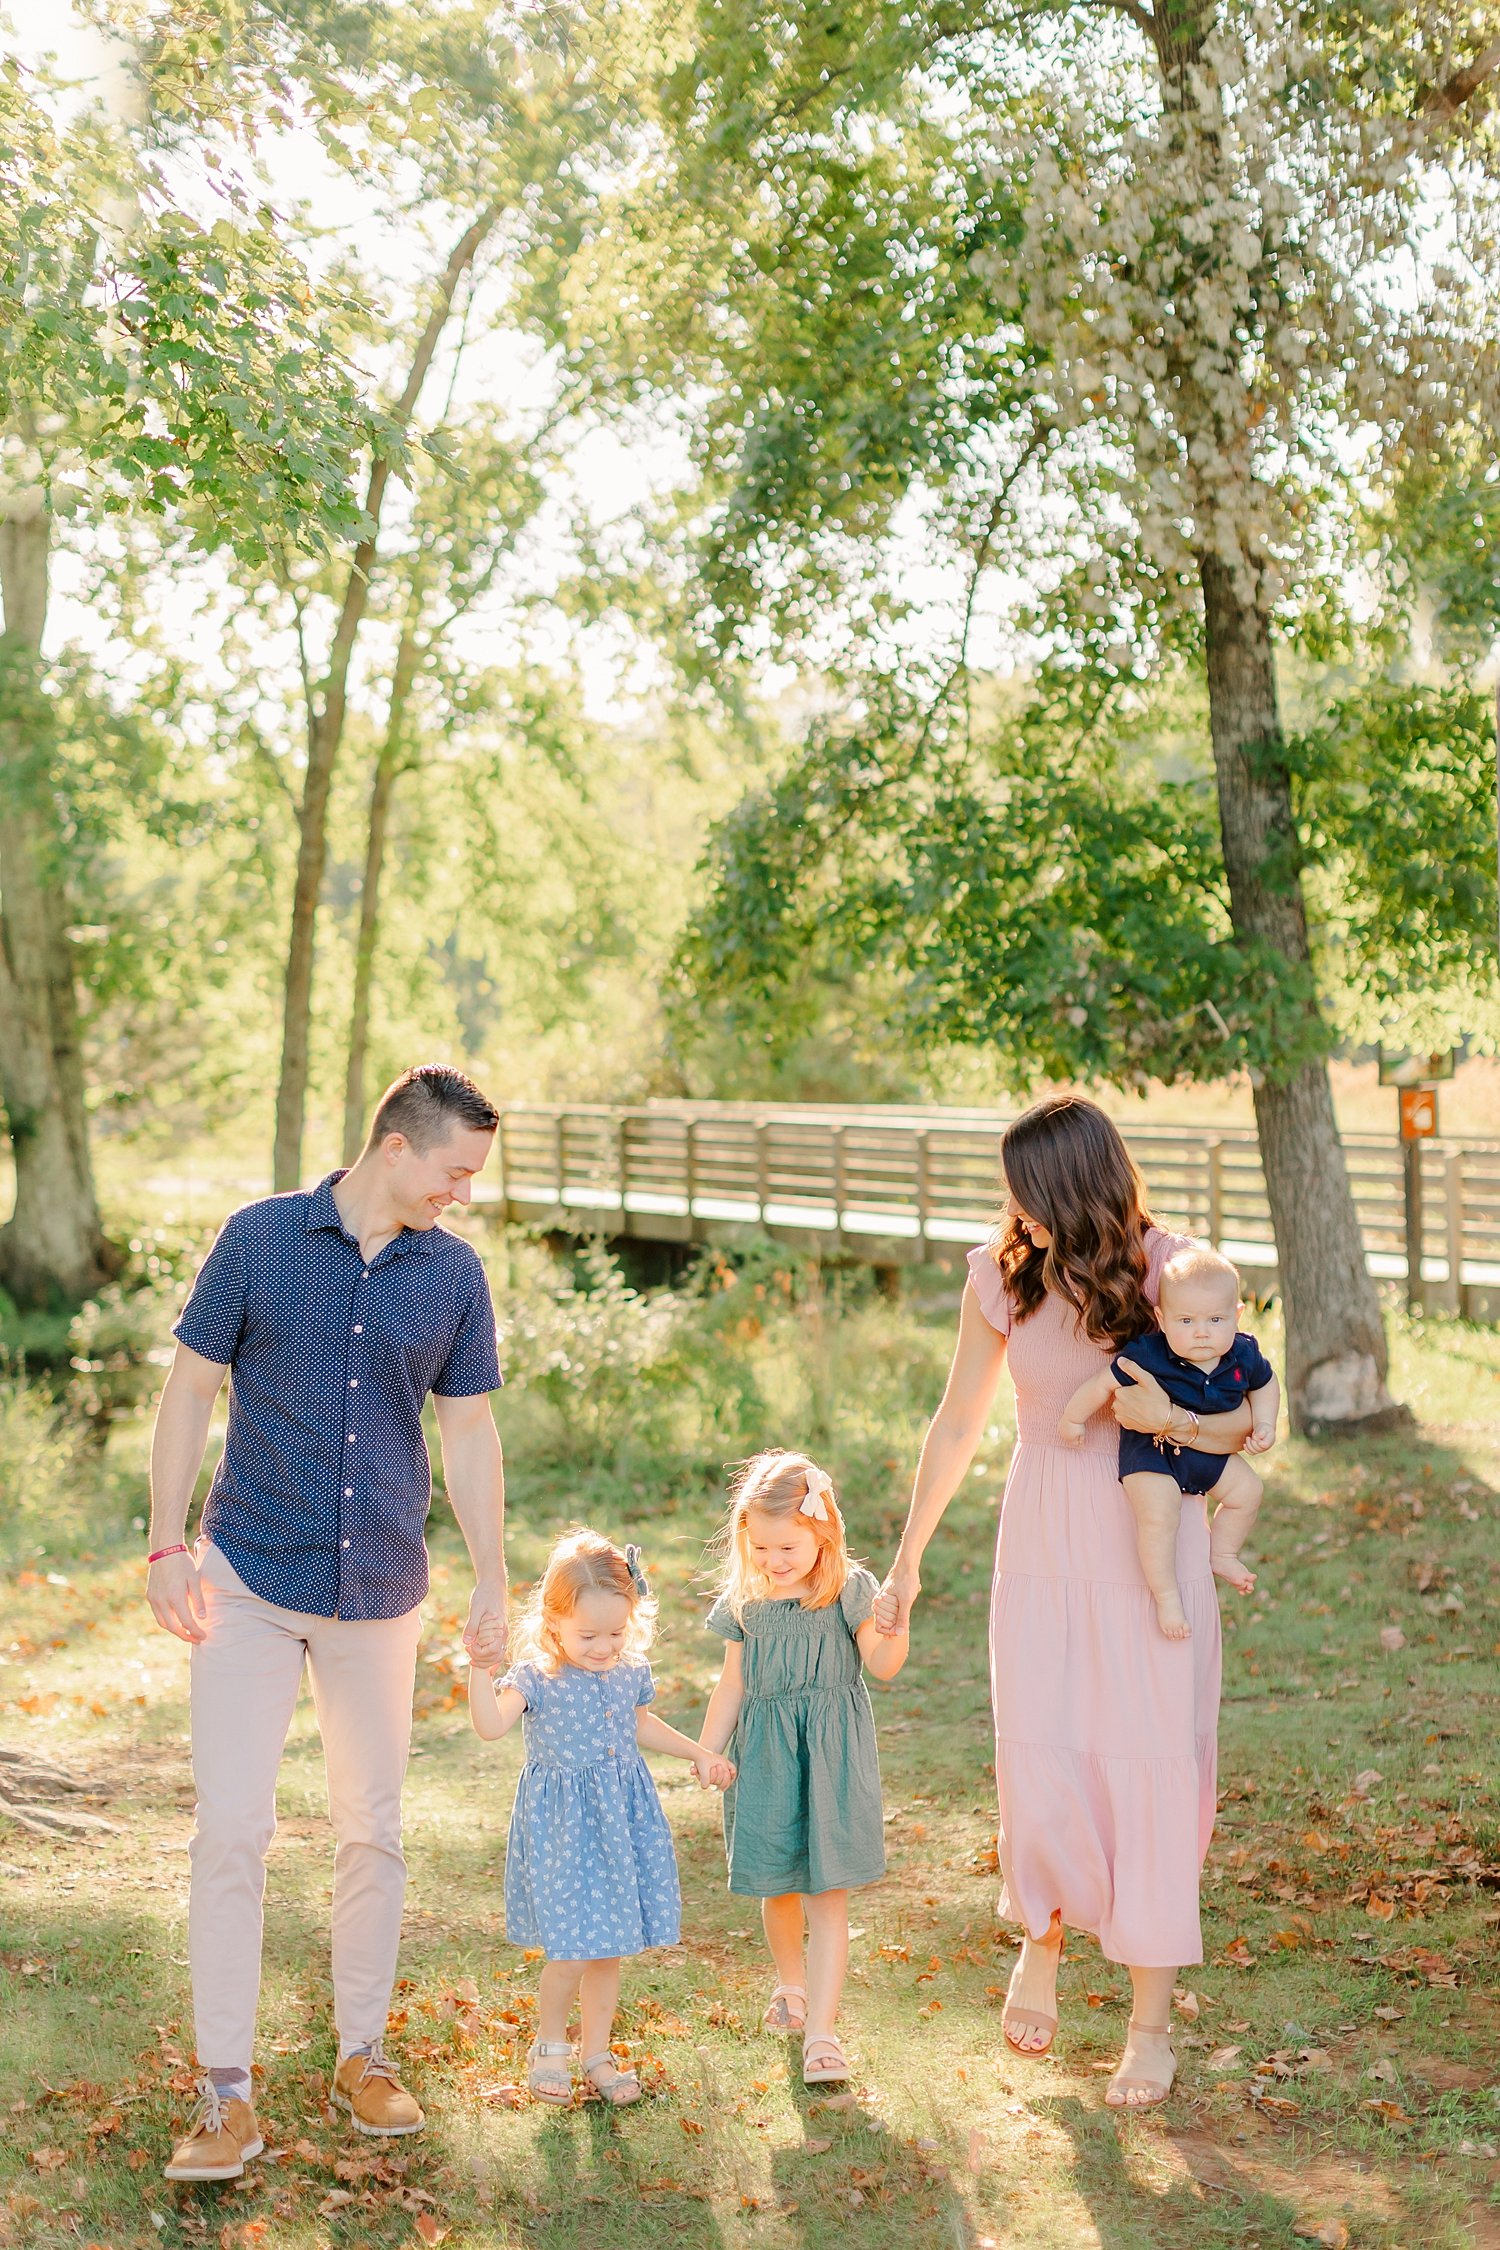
(548, 2080)
(779, 2016)
(1015, 2020)
(613, 2085)
(1150, 2092)
(834, 2065)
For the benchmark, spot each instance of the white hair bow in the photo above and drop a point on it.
(819, 1493)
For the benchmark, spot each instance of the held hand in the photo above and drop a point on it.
(1070, 1433)
(486, 1633)
(1260, 1441)
(176, 1596)
(893, 1604)
(1141, 1404)
(713, 1771)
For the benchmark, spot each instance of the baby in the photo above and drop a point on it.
(1205, 1365)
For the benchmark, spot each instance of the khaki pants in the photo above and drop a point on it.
(246, 1676)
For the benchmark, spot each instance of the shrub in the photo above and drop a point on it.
(48, 1485)
(121, 1340)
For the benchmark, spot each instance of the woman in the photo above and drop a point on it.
(1104, 1728)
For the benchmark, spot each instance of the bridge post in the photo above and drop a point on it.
(1453, 1214)
(1215, 1155)
(924, 1188)
(762, 1167)
(838, 1177)
(692, 1171)
(622, 1160)
(559, 1155)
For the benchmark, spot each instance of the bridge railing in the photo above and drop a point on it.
(908, 1183)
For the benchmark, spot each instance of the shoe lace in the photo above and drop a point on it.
(378, 2065)
(210, 2116)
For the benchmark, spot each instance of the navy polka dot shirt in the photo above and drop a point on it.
(320, 1498)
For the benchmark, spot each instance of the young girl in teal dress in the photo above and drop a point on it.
(590, 1874)
(803, 1824)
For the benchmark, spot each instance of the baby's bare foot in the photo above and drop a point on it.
(1172, 1617)
(1229, 1567)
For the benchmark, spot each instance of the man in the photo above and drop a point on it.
(335, 1313)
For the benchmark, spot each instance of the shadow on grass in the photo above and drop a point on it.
(599, 2189)
(1212, 2200)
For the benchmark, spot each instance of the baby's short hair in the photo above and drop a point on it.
(1198, 1263)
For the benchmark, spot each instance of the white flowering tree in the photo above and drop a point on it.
(1139, 301)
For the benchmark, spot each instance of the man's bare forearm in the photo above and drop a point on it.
(178, 1443)
(474, 1471)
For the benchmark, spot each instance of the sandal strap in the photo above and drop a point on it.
(551, 2047)
(789, 1992)
(823, 2042)
(592, 2063)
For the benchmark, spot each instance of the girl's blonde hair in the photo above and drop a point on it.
(584, 1562)
(777, 1483)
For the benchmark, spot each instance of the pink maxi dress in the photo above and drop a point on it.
(1105, 1731)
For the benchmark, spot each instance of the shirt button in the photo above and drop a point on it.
(351, 1437)
(345, 1542)
(348, 1495)
(358, 1331)
(354, 1382)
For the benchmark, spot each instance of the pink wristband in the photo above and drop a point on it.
(163, 1552)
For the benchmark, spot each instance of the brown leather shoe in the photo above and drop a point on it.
(221, 2138)
(367, 2086)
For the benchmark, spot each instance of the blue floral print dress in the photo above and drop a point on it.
(590, 1872)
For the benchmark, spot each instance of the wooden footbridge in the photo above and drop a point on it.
(895, 1187)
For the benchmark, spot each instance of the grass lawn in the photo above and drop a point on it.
(1340, 2046)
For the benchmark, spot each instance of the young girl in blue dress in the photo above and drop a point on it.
(803, 1822)
(590, 1874)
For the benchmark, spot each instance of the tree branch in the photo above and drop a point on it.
(1448, 99)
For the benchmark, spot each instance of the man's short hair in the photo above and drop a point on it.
(425, 1104)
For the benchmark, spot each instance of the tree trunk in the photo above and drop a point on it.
(53, 1249)
(1335, 1343)
(382, 789)
(325, 734)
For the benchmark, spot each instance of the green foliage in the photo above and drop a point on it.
(48, 1491)
(152, 362)
(1034, 892)
(122, 1342)
(1397, 795)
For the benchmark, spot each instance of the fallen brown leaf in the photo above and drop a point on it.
(1331, 2232)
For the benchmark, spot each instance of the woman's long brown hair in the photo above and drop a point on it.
(1068, 1169)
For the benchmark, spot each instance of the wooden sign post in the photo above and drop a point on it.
(1415, 1077)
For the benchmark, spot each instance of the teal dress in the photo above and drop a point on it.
(805, 1813)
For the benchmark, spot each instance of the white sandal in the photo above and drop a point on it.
(778, 2017)
(834, 2065)
(547, 2082)
(613, 2085)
